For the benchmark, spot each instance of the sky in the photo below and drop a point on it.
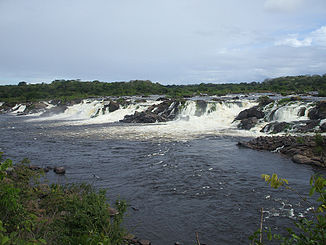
(165, 41)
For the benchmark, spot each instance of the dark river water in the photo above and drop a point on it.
(173, 188)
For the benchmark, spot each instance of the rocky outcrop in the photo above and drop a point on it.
(305, 150)
(249, 117)
(318, 112)
(264, 100)
(248, 123)
(276, 127)
(112, 106)
(163, 112)
(251, 112)
(307, 126)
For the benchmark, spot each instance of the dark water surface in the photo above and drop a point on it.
(174, 189)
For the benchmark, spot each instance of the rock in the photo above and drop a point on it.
(54, 110)
(323, 127)
(276, 127)
(264, 100)
(301, 111)
(113, 211)
(165, 111)
(113, 106)
(248, 123)
(305, 160)
(299, 149)
(318, 112)
(251, 112)
(59, 170)
(144, 242)
(309, 127)
(34, 168)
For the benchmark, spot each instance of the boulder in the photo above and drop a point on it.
(54, 110)
(301, 111)
(113, 106)
(59, 170)
(165, 111)
(248, 123)
(276, 127)
(318, 112)
(251, 112)
(264, 100)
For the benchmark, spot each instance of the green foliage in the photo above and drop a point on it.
(36, 213)
(309, 231)
(300, 140)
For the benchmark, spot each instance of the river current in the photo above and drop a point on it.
(174, 186)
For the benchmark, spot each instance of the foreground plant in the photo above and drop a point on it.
(36, 213)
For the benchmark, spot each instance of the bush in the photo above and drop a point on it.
(37, 213)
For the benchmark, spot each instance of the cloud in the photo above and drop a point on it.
(282, 5)
(319, 36)
(294, 42)
(314, 38)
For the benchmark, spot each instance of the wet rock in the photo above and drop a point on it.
(248, 123)
(301, 111)
(299, 149)
(305, 160)
(323, 127)
(318, 112)
(113, 106)
(165, 111)
(264, 100)
(251, 112)
(309, 126)
(54, 110)
(276, 127)
(59, 170)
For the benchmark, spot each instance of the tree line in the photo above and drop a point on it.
(72, 89)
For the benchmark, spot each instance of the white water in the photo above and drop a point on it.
(289, 112)
(217, 118)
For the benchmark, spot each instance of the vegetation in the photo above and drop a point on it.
(308, 231)
(36, 213)
(72, 89)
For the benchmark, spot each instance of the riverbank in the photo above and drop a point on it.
(303, 150)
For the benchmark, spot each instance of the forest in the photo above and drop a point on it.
(72, 89)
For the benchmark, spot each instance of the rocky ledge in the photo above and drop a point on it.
(163, 112)
(304, 150)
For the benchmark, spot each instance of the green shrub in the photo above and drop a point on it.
(36, 213)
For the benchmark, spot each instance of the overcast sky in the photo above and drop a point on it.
(169, 41)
